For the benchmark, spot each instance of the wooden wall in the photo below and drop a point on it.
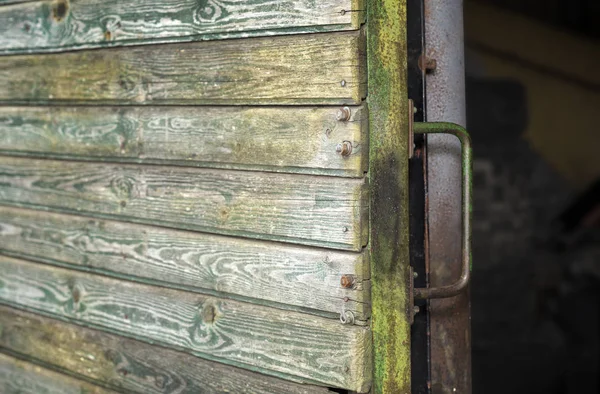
(183, 197)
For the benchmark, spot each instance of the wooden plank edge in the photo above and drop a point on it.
(121, 363)
(181, 40)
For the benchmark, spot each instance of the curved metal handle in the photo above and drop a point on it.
(467, 188)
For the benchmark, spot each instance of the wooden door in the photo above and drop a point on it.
(203, 196)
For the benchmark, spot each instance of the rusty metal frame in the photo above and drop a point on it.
(467, 163)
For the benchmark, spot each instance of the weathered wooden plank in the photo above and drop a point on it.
(20, 377)
(282, 139)
(287, 344)
(59, 25)
(324, 68)
(126, 364)
(388, 172)
(312, 210)
(300, 277)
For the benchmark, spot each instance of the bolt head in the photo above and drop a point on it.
(344, 148)
(347, 281)
(343, 114)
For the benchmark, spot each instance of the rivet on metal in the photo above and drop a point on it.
(343, 114)
(344, 148)
(427, 64)
(347, 281)
(347, 317)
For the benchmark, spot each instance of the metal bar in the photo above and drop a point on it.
(467, 163)
(450, 325)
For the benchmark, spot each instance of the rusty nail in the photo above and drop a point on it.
(347, 281)
(427, 64)
(344, 148)
(343, 114)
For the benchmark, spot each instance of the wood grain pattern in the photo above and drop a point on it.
(321, 211)
(304, 278)
(59, 25)
(287, 344)
(20, 377)
(326, 68)
(282, 139)
(128, 365)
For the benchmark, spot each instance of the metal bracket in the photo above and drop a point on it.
(467, 188)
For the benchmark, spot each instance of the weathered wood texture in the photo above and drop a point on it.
(304, 278)
(20, 377)
(324, 68)
(283, 139)
(59, 25)
(128, 365)
(288, 344)
(388, 171)
(322, 211)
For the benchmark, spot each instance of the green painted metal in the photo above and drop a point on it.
(389, 236)
(467, 209)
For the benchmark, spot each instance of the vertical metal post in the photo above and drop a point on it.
(445, 101)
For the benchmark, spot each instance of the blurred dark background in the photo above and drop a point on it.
(533, 109)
